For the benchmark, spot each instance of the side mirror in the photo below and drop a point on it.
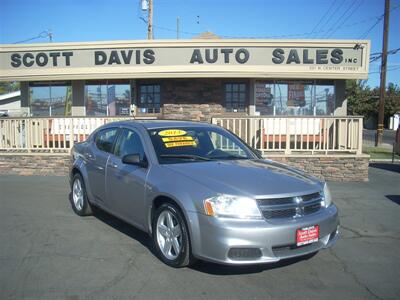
(134, 159)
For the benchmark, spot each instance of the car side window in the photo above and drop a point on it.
(105, 139)
(129, 143)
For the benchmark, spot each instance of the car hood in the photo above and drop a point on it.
(253, 178)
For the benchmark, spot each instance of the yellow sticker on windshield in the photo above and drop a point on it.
(172, 132)
(180, 144)
(177, 139)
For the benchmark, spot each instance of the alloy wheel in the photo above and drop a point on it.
(169, 235)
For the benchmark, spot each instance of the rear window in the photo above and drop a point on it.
(105, 139)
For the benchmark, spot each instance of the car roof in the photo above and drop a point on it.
(155, 124)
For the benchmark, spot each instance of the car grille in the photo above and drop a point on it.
(290, 207)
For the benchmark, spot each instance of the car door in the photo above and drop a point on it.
(96, 157)
(125, 183)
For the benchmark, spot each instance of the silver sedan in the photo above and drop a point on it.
(201, 193)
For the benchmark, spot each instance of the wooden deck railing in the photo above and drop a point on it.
(47, 134)
(287, 135)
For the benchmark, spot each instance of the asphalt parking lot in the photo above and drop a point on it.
(47, 252)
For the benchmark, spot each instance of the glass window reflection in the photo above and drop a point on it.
(294, 98)
(108, 98)
(50, 99)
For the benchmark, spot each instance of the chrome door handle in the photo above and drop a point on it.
(114, 165)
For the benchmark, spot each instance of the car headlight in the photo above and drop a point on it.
(232, 207)
(326, 196)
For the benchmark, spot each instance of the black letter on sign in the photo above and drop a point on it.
(138, 57)
(307, 60)
(44, 61)
(278, 56)
(127, 57)
(337, 56)
(25, 60)
(114, 59)
(148, 56)
(226, 53)
(322, 57)
(67, 55)
(214, 58)
(15, 60)
(196, 57)
(293, 57)
(245, 56)
(100, 58)
(54, 55)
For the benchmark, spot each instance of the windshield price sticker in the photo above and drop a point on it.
(177, 139)
(172, 132)
(181, 144)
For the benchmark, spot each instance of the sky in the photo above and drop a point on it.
(26, 21)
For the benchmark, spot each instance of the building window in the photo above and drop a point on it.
(235, 97)
(108, 98)
(50, 98)
(295, 98)
(149, 98)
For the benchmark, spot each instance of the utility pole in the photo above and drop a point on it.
(382, 92)
(150, 21)
(177, 27)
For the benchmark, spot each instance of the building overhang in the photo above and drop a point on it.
(230, 58)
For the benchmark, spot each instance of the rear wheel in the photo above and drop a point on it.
(170, 236)
(79, 200)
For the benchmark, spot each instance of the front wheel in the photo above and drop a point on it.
(79, 199)
(170, 236)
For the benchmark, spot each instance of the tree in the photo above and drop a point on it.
(8, 87)
(364, 101)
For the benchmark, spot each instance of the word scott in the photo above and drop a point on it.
(41, 59)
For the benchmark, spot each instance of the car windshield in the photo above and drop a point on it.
(188, 144)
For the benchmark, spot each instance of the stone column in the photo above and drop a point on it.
(340, 98)
(78, 98)
(25, 101)
(252, 98)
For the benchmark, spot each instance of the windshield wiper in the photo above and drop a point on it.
(185, 156)
(230, 157)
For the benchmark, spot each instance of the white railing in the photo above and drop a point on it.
(48, 134)
(314, 135)
(287, 135)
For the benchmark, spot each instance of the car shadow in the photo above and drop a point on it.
(199, 266)
(226, 270)
(386, 166)
(394, 198)
(124, 228)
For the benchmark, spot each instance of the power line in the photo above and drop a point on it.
(343, 14)
(363, 21)
(320, 20)
(377, 22)
(43, 34)
(388, 70)
(363, 36)
(333, 14)
(347, 18)
(376, 56)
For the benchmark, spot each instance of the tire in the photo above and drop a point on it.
(79, 200)
(167, 240)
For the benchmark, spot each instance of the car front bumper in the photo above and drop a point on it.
(213, 238)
